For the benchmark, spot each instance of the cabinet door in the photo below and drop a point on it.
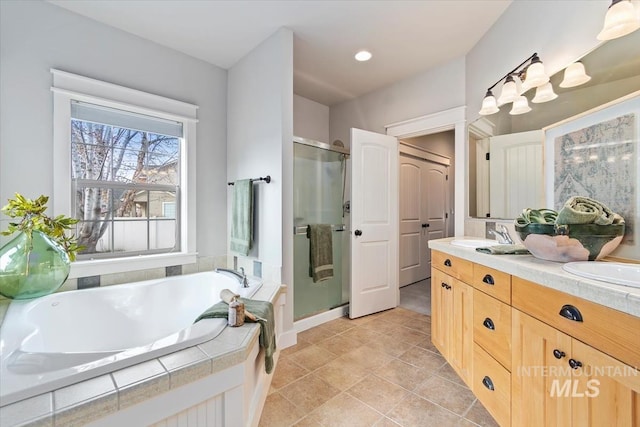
(539, 374)
(441, 310)
(607, 392)
(461, 334)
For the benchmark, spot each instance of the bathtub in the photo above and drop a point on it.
(60, 339)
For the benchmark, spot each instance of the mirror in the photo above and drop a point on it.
(505, 151)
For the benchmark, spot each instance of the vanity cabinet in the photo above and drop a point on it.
(533, 355)
(452, 314)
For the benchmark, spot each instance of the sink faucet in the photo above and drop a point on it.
(502, 236)
(242, 277)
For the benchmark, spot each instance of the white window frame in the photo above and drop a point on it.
(67, 87)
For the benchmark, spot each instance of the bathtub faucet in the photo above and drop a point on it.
(242, 277)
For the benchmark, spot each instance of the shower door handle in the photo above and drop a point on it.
(358, 232)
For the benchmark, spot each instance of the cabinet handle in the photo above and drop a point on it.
(447, 262)
(488, 323)
(443, 285)
(570, 312)
(486, 381)
(558, 354)
(488, 279)
(575, 364)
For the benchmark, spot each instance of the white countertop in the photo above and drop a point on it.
(550, 274)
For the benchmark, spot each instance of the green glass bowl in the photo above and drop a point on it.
(572, 242)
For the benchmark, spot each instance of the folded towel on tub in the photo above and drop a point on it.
(263, 311)
(320, 252)
(242, 217)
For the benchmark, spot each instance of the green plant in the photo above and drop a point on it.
(33, 218)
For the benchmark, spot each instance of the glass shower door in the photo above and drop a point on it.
(318, 196)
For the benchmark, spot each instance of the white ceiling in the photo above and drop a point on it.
(405, 37)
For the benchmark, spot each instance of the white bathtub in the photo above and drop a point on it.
(63, 338)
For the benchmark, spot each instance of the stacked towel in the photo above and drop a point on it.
(320, 252)
(242, 217)
(504, 250)
(583, 210)
(263, 311)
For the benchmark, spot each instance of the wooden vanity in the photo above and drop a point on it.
(536, 345)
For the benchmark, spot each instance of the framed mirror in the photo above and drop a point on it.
(506, 171)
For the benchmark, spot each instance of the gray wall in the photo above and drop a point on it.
(36, 36)
(260, 134)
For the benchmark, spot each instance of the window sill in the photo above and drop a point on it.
(123, 265)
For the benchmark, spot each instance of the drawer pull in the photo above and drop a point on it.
(558, 354)
(444, 285)
(486, 381)
(447, 262)
(571, 313)
(488, 279)
(488, 323)
(575, 364)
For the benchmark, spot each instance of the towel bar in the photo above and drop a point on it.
(266, 179)
(303, 229)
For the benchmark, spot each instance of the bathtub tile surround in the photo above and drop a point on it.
(139, 382)
(88, 282)
(413, 386)
(173, 270)
(75, 404)
(86, 402)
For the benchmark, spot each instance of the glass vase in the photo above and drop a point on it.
(32, 267)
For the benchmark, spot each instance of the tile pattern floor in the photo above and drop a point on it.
(417, 296)
(380, 370)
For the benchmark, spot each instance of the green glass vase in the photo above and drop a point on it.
(32, 267)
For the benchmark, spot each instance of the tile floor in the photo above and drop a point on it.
(417, 296)
(380, 370)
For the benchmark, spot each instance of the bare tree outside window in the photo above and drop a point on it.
(122, 178)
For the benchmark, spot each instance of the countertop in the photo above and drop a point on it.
(550, 274)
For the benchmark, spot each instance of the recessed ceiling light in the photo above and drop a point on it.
(363, 55)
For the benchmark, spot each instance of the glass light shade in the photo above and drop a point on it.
(544, 93)
(574, 75)
(363, 55)
(520, 106)
(489, 105)
(620, 20)
(509, 91)
(536, 75)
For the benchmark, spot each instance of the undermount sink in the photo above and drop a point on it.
(474, 243)
(611, 272)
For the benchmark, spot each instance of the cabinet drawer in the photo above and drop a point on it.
(608, 330)
(492, 327)
(495, 283)
(492, 385)
(459, 268)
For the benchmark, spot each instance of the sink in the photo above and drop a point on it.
(474, 243)
(611, 272)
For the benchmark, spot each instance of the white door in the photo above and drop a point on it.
(437, 190)
(516, 173)
(374, 223)
(413, 215)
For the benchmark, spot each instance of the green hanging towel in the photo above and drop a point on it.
(242, 217)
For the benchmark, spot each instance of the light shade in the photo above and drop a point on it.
(536, 75)
(574, 75)
(620, 20)
(520, 106)
(509, 91)
(489, 105)
(544, 93)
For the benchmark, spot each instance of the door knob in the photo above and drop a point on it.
(358, 232)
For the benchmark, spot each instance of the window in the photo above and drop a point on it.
(123, 170)
(125, 167)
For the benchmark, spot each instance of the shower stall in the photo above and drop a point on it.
(319, 172)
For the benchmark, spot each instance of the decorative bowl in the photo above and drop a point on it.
(572, 242)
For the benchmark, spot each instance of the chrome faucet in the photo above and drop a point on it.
(502, 236)
(242, 277)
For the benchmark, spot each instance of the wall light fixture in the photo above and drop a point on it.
(620, 20)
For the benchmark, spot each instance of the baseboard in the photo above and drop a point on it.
(287, 339)
(319, 319)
